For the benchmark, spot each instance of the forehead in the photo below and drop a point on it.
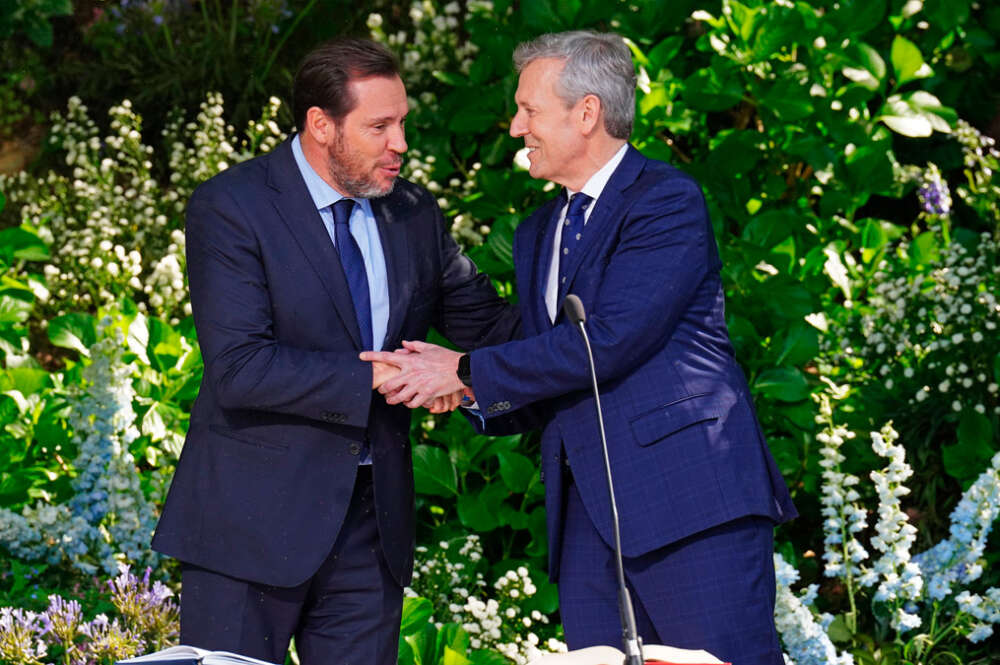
(538, 79)
(378, 96)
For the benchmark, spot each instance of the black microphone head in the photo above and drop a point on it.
(573, 309)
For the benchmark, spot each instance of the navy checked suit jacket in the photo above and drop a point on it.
(268, 467)
(686, 449)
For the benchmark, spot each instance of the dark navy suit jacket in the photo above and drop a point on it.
(686, 450)
(268, 467)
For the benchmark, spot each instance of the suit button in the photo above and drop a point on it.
(355, 449)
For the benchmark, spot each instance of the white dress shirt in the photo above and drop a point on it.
(592, 188)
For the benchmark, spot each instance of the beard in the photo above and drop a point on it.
(357, 178)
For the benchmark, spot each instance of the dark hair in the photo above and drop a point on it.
(327, 70)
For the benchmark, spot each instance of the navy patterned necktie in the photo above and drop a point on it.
(353, 263)
(572, 231)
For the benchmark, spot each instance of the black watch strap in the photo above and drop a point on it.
(465, 369)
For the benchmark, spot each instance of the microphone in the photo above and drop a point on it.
(574, 311)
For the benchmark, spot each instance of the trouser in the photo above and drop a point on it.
(347, 612)
(713, 590)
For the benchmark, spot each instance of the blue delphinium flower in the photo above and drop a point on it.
(935, 197)
(900, 579)
(956, 559)
(108, 499)
(802, 632)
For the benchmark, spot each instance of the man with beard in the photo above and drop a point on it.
(292, 506)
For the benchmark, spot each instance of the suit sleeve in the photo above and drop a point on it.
(471, 314)
(245, 365)
(661, 258)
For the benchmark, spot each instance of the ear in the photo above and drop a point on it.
(319, 126)
(590, 114)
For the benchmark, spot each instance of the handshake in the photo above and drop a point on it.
(419, 374)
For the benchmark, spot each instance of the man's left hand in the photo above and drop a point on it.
(427, 371)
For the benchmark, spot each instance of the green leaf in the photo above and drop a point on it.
(474, 515)
(18, 243)
(661, 55)
(14, 308)
(28, 380)
(710, 90)
(74, 331)
(487, 657)
(800, 345)
(517, 471)
(965, 460)
(857, 17)
(907, 61)
(38, 30)
(416, 613)
(433, 472)
(786, 384)
(924, 249)
(788, 99)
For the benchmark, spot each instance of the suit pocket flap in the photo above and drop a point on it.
(242, 437)
(665, 420)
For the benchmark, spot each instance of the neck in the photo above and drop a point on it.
(598, 153)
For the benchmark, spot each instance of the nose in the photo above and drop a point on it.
(397, 140)
(518, 126)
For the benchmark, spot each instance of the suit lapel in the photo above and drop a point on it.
(608, 207)
(538, 234)
(295, 206)
(397, 263)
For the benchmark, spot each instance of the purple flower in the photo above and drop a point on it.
(62, 619)
(935, 198)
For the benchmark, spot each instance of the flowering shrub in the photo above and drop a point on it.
(108, 518)
(147, 621)
(431, 54)
(450, 577)
(114, 228)
(910, 591)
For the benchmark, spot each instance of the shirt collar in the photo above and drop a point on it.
(597, 182)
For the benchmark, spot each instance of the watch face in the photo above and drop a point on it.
(465, 369)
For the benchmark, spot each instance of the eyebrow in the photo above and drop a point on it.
(386, 118)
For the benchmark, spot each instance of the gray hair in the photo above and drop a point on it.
(597, 63)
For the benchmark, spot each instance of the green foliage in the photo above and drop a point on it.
(31, 18)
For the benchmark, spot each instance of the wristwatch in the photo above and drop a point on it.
(465, 369)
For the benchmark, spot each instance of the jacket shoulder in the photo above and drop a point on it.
(235, 180)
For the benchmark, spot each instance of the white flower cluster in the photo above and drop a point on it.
(843, 515)
(957, 559)
(501, 623)
(449, 577)
(985, 608)
(900, 579)
(982, 159)
(930, 335)
(108, 512)
(113, 228)
(436, 46)
(803, 632)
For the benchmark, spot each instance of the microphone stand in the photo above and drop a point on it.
(573, 309)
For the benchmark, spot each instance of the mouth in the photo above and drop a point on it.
(391, 170)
